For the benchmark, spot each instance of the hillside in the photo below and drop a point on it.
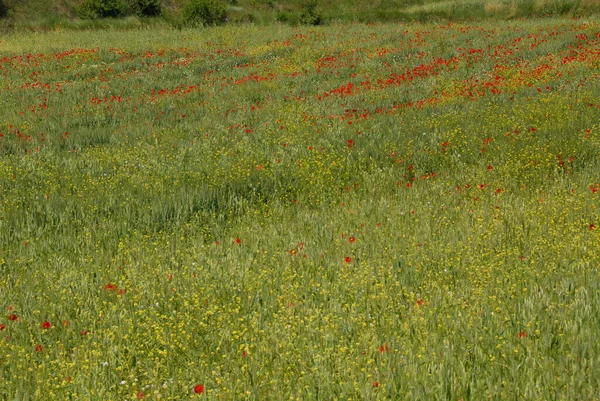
(32, 13)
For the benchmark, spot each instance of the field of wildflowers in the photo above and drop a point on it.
(352, 212)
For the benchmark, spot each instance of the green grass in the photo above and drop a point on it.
(389, 211)
(63, 14)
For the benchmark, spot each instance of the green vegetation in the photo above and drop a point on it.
(389, 211)
(91, 9)
(66, 13)
(148, 8)
(3, 9)
(204, 12)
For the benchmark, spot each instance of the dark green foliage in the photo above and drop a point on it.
(148, 8)
(288, 17)
(3, 9)
(91, 9)
(310, 13)
(205, 12)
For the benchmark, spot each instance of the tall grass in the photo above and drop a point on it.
(390, 211)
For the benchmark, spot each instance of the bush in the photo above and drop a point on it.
(91, 9)
(148, 8)
(310, 14)
(288, 17)
(3, 9)
(204, 12)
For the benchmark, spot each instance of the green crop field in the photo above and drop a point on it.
(355, 211)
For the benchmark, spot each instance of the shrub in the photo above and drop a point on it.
(3, 9)
(288, 17)
(204, 12)
(310, 14)
(91, 9)
(148, 8)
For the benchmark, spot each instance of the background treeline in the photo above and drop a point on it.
(180, 13)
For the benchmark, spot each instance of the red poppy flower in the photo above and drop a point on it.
(523, 334)
(199, 389)
(420, 302)
(39, 348)
(375, 384)
(46, 325)
(347, 259)
(238, 241)
(350, 143)
(351, 239)
(12, 317)
(592, 227)
(140, 395)
(2, 327)
(498, 190)
(110, 287)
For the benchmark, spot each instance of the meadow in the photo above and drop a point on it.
(353, 212)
